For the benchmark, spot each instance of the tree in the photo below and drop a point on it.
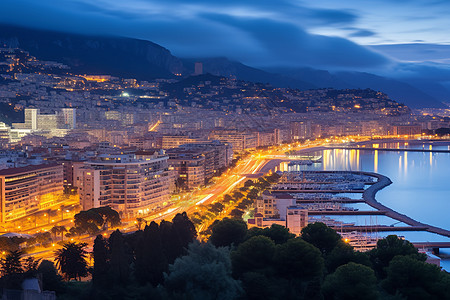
(253, 194)
(51, 280)
(343, 254)
(277, 233)
(30, 265)
(227, 232)
(254, 255)
(321, 236)
(204, 273)
(119, 259)
(236, 214)
(387, 249)
(298, 259)
(110, 216)
(11, 263)
(216, 207)
(94, 219)
(58, 230)
(351, 281)
(238, 195)
(248, 183)
(71, 260)
(140, 222)
(151, 262)
(101, 261)
(171, 243)
(185, 230)
(415, 279)
(227, 198)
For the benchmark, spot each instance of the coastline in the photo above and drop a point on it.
(369, 198)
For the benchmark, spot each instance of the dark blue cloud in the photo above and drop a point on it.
(362, 33)
(258, 32)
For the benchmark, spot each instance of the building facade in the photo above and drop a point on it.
(133, 187)
(26, 190)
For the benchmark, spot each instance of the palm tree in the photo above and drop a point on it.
(59, 229)
(11, 264)
(71, 260)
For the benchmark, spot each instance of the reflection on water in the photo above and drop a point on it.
(420, 186)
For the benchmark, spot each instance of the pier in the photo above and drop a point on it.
(434, 246)
(346, 212)
(389, 149)
(315, 191)
(369, 198)
(349, 200)
(378, 228)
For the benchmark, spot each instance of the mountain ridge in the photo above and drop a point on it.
(145, 60)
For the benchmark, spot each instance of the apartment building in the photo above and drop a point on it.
(134, 187)
(26, 190)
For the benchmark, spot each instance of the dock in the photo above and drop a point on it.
(378, 228)
(346, 212)
(389, 149)
(369, 198)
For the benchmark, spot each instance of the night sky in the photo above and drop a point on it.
(326, 33)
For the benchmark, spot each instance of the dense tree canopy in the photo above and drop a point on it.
(415, 279)
(95, 219)
(277, 233)
(321, 236)
(227, 232)
(204, 273)
(351, 282)
(388, 248)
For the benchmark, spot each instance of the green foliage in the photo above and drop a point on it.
(151, 262)
(259, 286)
(253, 194)
(279, 234)
(101, 261)
(351, 281)
(254, 255)
(58, 230)
(11, 263)
(94, 219)
(227, 232)
(204, 273)
(51, 280)
(321, 236)
(10, 243)
(236, 214)
(71, 260)
(298, 259)
(216, 207)
(238, 196)
(387, 249)
(343, 254)
(227, 198)
(415, 279)
(248, 183)
(30, 265)
(118, 259)
(273, 178)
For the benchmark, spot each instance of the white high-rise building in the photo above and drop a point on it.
(68, 118)
(31, 118)
(131, 186)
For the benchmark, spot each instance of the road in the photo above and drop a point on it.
(256, 164)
